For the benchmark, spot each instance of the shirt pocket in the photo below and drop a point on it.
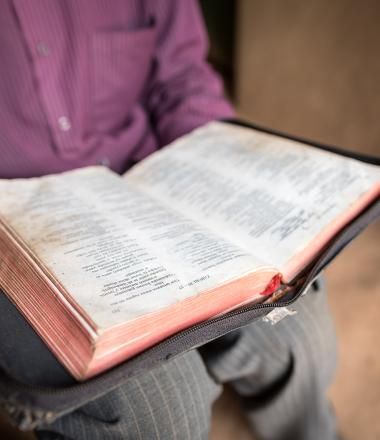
(121, 62)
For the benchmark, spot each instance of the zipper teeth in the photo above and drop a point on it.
(304, 282)
(237, 312)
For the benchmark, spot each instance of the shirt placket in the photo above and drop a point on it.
(44, 33)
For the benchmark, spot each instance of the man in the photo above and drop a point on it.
(100, 82)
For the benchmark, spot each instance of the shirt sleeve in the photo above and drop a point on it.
(185, 91)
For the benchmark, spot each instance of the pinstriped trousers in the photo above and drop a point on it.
(280, 371)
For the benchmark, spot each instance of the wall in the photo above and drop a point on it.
(311, 68)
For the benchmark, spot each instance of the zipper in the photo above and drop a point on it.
(181, 335)
(245, 309)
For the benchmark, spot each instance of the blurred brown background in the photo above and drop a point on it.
(312, 68)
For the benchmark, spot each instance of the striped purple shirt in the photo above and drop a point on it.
(99, 81)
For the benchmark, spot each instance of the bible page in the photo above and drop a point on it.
(118, 252)
(269, 195)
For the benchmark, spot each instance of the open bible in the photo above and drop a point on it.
(104, 266)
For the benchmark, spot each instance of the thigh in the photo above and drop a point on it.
(260, 352)
(282, 371)
(171, 401)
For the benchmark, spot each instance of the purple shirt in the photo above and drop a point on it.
(99, 81)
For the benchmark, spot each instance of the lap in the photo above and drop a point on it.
(174, 400)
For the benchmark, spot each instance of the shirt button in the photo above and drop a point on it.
(104, 161)
(43, 49)
(64, 123)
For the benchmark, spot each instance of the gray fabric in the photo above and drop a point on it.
(280, 371)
